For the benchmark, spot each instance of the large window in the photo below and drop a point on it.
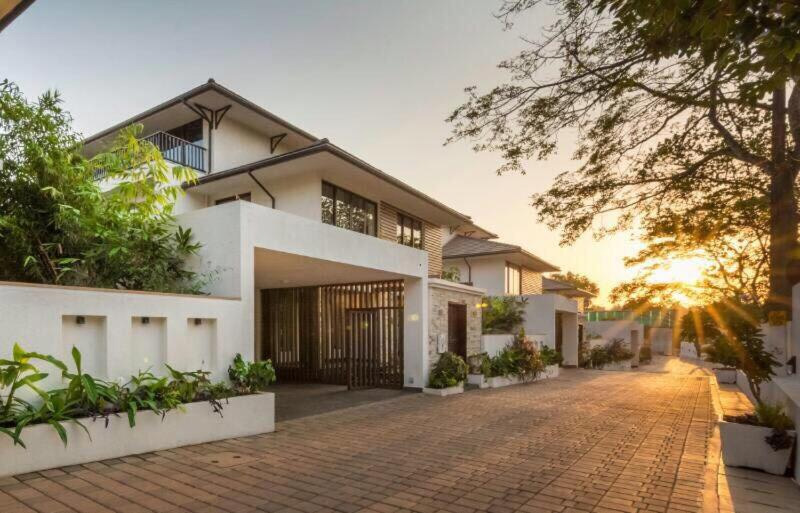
(513, 280)
(347, 210)
(191, 131)
(409, 231)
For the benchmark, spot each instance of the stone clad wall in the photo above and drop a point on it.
(439, 299)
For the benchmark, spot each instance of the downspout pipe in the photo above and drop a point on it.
(271, 197)
(469, 271)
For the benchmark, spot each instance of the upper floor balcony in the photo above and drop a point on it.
(173, 149)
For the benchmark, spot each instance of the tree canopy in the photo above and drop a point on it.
(680, 111)
(57, 226)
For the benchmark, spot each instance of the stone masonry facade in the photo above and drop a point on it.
(440, 297)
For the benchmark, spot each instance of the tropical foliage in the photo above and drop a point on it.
(450, 371)
(24, 401)
(249, 377)
(57, 226)
(550, 356)
(521, 359)
(503, 314)
(771, 416)
(613, 352)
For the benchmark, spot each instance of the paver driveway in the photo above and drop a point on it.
(588, 441)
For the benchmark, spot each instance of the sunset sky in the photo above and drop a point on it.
(377, 78)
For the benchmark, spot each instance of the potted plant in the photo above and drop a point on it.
(761, 440)
(551, 359)
(721, 352)
(479, 369)
(730, 332)
(518, 363)
(447, 376)
(613, 356)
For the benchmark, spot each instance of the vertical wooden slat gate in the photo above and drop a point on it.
(337, 334)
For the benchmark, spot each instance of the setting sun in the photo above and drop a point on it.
(686, 272)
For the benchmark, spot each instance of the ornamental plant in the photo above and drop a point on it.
(450, 371)
(731, 331)
(503, 314)
(57, 226)
(550, 356)
(251, 377)
(24, 402)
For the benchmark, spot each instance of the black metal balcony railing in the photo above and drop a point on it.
(175, 150)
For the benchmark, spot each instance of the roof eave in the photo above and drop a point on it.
(211, 85)
(324, 145)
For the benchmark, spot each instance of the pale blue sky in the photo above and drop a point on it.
(376, 77)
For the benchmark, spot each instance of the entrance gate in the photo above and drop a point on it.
(336, 334)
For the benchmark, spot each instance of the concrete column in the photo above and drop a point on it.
(416, 364)
(570, 339)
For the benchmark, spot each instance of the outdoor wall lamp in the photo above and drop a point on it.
(145, 320)
(198, 322)
(79, 319)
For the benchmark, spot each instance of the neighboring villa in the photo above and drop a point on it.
(322, 262)
(554, 311)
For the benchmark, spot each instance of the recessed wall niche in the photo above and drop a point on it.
(148, 344)
(201, 343)
(88, 334)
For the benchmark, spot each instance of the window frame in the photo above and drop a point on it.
(370, 229)
(245, 196)
(508, 268)
(401, 226)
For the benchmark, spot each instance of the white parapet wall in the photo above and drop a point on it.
(121, 332)
(493, 344)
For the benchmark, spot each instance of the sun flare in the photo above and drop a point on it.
(686, 272)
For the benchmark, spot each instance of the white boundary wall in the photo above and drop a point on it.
(113, 339)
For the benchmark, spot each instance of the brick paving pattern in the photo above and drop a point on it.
(610, 442)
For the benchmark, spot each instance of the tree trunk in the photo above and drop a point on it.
(783, 213)
(783, 238)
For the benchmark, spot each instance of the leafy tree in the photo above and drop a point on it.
(579, 281)
(503, 314)
(673, 104)
(57, 226)
(730, 326)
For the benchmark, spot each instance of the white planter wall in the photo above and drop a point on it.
(493, 344)
(112, 339)
(744, 446)
(241, 416)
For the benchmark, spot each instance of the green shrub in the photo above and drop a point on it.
(251, 377)
(550, 356)
(617, 351)
(87, 397)
(479, 364)
(731, 331)
(721, 351)
(598, 357)
(449, 371)
(504, 314)
(521, 359)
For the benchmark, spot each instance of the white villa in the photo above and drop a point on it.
(322, 262)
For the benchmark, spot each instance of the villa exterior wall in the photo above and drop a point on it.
(486, 273)
(441, 294)
(114, 340)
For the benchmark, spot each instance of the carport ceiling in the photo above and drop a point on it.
(274, 269)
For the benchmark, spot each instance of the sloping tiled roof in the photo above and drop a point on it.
(549, 284)
(461, 247)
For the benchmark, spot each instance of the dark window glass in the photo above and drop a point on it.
(347, 210)
(409, 231)
(191, 131)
